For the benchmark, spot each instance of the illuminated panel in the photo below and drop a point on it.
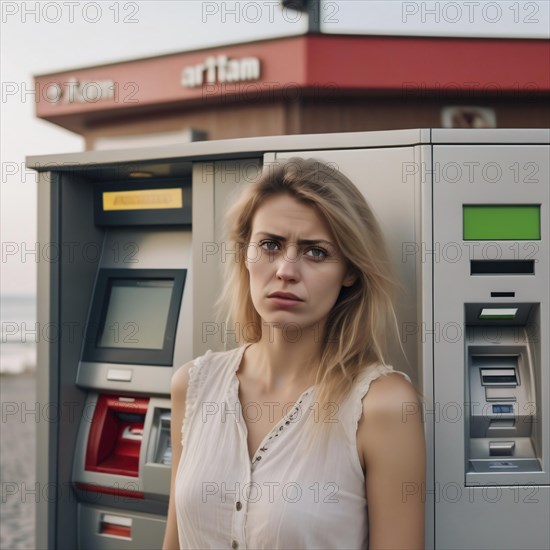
(501, 222)
(143, 199)
(498, 313)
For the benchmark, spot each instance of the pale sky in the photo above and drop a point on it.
(43, 37)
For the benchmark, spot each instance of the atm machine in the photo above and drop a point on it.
(465, 213)
(134, 334)
(492, 443)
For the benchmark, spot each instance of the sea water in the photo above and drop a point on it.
(19, 333)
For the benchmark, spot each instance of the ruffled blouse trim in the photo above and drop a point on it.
(197, 375)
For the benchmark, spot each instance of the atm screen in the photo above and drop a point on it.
(134, 316)
(501, 222)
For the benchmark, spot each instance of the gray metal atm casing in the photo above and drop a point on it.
(417, 182)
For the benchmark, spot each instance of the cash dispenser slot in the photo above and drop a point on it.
(116, 434)
(501, 448)
(499, 377)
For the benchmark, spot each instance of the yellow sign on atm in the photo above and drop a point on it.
(143, 199)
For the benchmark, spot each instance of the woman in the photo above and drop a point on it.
(287, 438)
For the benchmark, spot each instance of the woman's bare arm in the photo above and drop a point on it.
(178, 391)
(391, 438)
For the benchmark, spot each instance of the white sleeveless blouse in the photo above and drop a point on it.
(283, 498)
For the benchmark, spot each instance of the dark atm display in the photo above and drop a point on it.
(134, 316)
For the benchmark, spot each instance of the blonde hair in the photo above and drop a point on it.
(358, 325)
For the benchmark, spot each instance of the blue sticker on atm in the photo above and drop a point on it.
(502, 409)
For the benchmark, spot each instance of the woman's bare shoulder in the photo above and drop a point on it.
(389, 394)
(391, 419)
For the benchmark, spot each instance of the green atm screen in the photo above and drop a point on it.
(501, 222)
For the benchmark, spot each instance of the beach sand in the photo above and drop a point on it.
(17, 462)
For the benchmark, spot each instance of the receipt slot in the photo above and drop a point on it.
(465, 215)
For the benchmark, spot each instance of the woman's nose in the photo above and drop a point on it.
(288, 264)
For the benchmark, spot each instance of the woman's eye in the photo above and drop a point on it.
(268, 245)
(318, 253)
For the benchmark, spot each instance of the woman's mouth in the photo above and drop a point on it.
(284, 299)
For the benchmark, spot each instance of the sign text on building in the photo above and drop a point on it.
(75, 91)
(220, 69)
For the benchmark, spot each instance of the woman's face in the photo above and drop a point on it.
(278, 260)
